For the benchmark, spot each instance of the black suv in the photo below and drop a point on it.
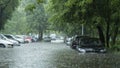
(75, 41)
(90, 45)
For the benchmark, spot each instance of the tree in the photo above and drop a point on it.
(36, 16)
(6, 9)
(101, 14)
(17, 24)
(116, 19)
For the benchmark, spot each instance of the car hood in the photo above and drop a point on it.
(92, 46)
(19, 39)
(13, 41)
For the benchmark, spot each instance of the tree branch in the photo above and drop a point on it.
(6, 4)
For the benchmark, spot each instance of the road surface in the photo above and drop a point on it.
(54, 55)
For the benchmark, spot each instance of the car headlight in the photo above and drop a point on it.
(82, 50)
(103, 50)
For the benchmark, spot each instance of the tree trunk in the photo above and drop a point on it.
(107, 19)
(101, 35)
(40, 35)
(107, 34)
(115, 32)
(114, 36)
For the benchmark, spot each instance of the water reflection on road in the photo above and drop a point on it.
(53, 55)
(91, 60)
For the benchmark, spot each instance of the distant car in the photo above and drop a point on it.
(90, 45)
(13, 37)
(28, 39)
(53, 36)
(6, 44)
(75, 41)
(34, 38)
(21, 37)
(68, 41)
(47, 39)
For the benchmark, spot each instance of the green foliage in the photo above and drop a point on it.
(17, 24)
(37, 19)
(40, 1)
(6, 9)
(30, 7)
(103, 13)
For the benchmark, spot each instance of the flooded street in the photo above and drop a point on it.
(54, 55)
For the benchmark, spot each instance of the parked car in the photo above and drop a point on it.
(90, 45)
(75, 41)
(47, 39)
(15, 43)
(21, 37)
(4, 43)
(68, 41)
(28, 39)
(34, 38)
(13, 37)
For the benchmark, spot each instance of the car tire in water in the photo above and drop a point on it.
(2, 46)
(73, 46)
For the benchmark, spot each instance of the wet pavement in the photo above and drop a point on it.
(54, 55)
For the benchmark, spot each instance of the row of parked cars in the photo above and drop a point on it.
(9, 40)
(85, 44)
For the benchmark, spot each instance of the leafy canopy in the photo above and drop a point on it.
(6, 9)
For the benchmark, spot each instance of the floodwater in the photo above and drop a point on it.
(54, 55)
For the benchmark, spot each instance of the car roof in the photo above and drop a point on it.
(89, 38)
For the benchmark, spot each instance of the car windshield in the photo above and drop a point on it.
(91, 42)
(10, 37)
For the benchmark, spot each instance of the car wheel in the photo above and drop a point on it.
(12, 46)
(73, 46)
(2, 46)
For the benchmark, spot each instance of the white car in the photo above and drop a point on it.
(4, 43)
(68, 41)
(15, 43)
(14, 38)
(57, 40)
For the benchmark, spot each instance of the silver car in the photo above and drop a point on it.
(15, 43)
(4, 43)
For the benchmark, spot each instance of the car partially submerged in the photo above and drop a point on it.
(47, 39)
(90, 45)
(13, 37)
(75, 41)
(15, 43)
(5, 44)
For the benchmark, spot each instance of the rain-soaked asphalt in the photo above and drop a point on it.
(54, 55)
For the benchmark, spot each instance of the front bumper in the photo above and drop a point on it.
(84, 50)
